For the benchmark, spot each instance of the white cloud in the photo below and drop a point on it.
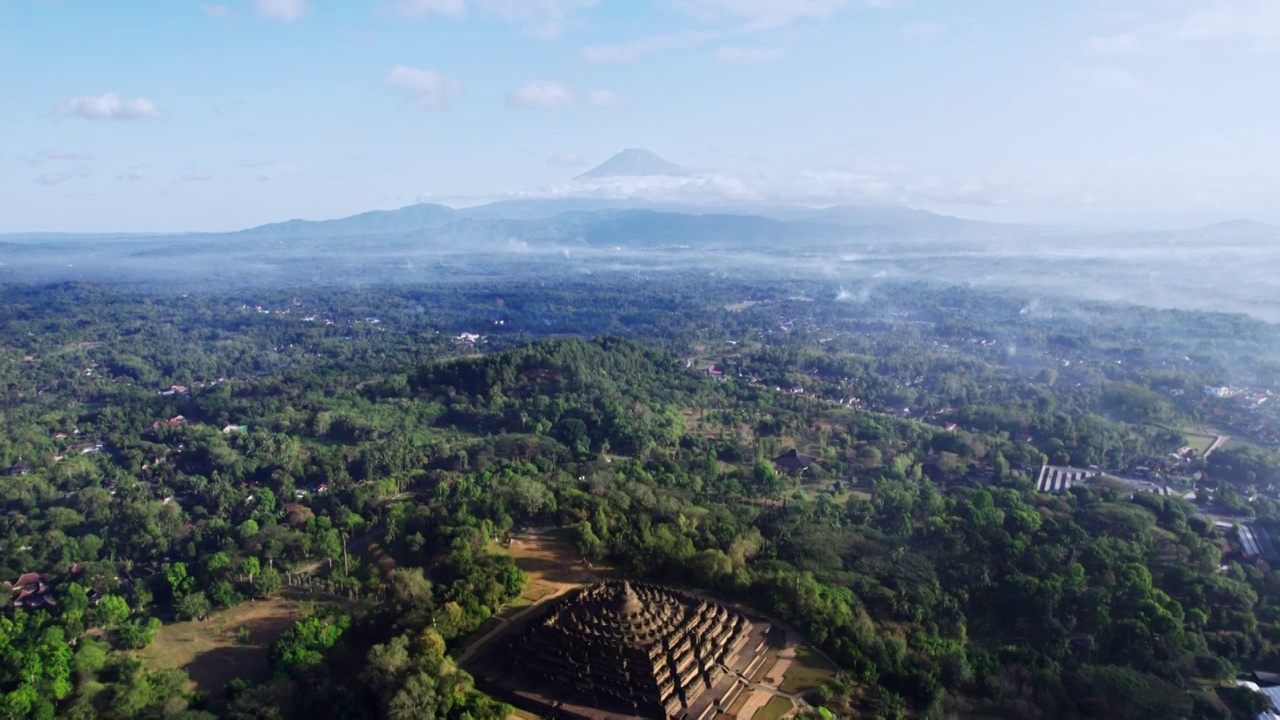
(1254, 22)
(532, 10)
(749, 56)
(65, 155)
(566, 159)
(110, 106)
(419, 9)
(761, 14)
(53, 178)
(428, 88)
(130, 177)
(604, 100)
(907, 186)
(197, 177)
(1109, 79)
(285, 11)
(545, 19)
(550, 30)
(924, 29)
(542, 95)
(634, 50)
(221, 12)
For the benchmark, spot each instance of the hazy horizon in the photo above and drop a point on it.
(190, 116)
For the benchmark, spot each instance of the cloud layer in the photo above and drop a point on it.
(544, 19)
(109, 106)
(749, 55)
(760, 14)
(1255, 24)
(428, 88)
(286, 11)
(566, 159)
(555, 95)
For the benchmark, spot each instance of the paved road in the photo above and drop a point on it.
(1217, 443)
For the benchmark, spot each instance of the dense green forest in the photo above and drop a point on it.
(172, 457)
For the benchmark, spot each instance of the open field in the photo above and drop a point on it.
(551, 560)
(209, 651)
(1201, 435)
(1198, 441)
(808, 671)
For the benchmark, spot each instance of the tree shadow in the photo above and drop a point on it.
(211, 670)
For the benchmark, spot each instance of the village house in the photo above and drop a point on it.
(21, 467)
(792, 462)
(31, 591)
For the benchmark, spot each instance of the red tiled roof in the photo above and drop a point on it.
(28, 579)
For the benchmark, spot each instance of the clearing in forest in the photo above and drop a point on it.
(552, 561)
(216, 650)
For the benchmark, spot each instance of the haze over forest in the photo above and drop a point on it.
(1122, 156)
(1226, 266)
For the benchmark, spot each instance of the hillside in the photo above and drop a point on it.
(568, 389)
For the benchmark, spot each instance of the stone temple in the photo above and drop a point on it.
(628, 649)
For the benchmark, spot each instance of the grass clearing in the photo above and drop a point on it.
(550, 559)
(210, 651)
(1197, 441)
(809, 671)
(774, 710)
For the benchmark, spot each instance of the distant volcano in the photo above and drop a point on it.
(634, 163)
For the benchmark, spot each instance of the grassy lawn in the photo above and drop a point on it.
(776, 708)
(1201, 436)
(210, 651)
(809, 671)
(1197, 441)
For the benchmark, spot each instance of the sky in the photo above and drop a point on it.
(168, 115)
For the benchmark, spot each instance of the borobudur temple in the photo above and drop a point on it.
(635, 649)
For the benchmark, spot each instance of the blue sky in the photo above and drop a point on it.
(155, 115)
